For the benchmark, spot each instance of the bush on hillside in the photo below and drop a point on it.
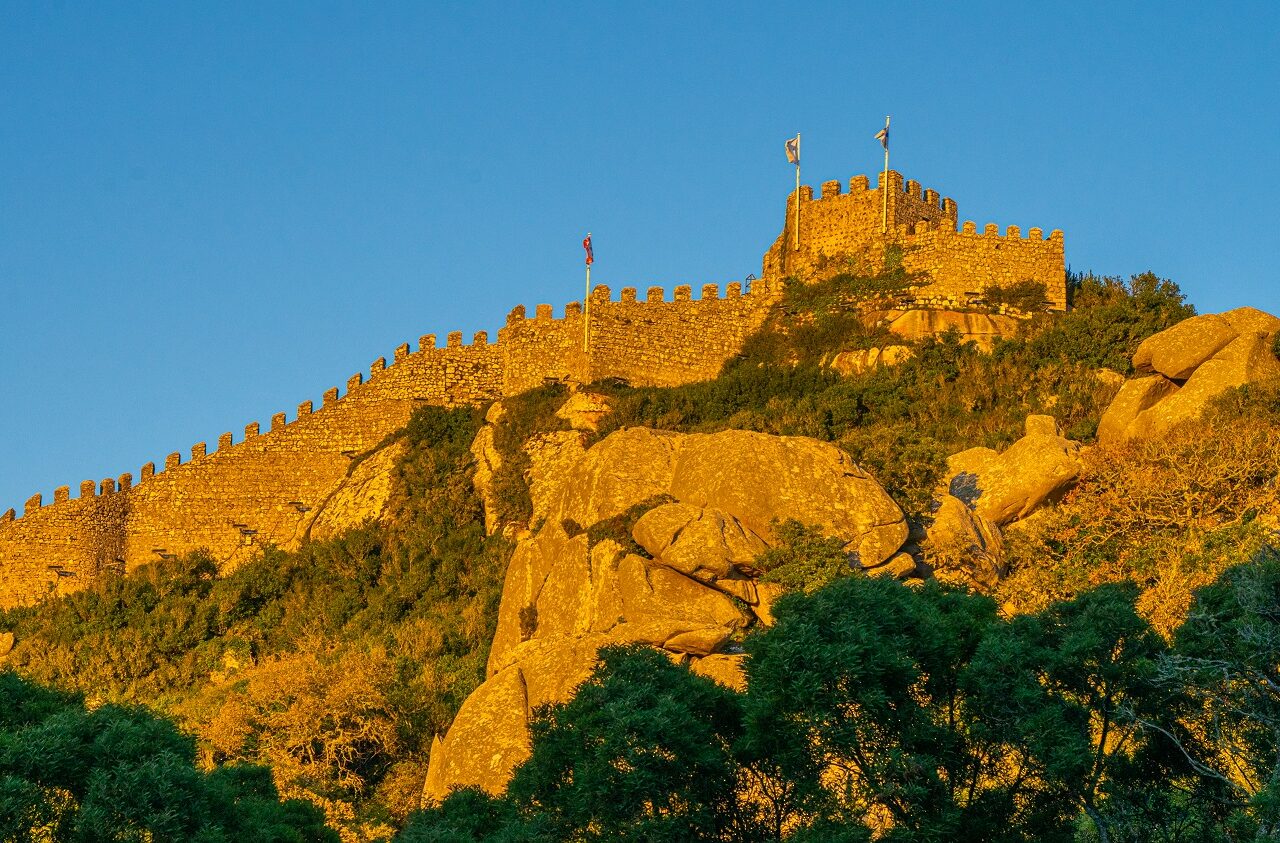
(336, 664)
(68, 773)
(1026, 296)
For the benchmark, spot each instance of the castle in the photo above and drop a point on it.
(330, 467)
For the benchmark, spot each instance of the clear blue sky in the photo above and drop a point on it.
(211, 212)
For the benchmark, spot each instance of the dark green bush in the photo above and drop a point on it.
(1027, 296)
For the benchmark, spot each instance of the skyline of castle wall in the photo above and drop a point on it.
(330, 468)
(842, 232)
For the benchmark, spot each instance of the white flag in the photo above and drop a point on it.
(793, 150)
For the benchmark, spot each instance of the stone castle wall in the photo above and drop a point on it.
(323, 469)
(275, 484)
(844, 232)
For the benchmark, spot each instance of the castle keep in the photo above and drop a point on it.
(842, 232)
(329, 468)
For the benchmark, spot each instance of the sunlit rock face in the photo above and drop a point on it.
(649, 537)
(1183, 368)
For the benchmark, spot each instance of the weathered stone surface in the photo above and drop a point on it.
(901, 566)
(1249, 320)
(624, 469)
(488, 461)
(562, 596)
(1176, 352)
(1109, 377)
(1133, 398)
(658, 528)
(957, 263)
(1149, 407)
(699, 642)
(532, 563)
(710, 545)
(768, 593)
(722, 668)
(585, 410)
(1004, 487)
(758, 478)
(659, 603)
(490, 736)
(362, 496)
(965, 547)
(983, 328)
(850, 363)
(1247, 359)
(551, 455)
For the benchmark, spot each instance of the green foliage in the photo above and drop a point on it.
(875, 711)
(816, 320)
(803, 559)
(122, 773)
(642, 751)
(1227, 657)
(1109, 319)
(424, 586)
(900, 422)
(468, 815)
(1026, 296)
(524, 415)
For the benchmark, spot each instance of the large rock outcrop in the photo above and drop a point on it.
(1003, 487)
(1183, 368)
(649, 537)
(983, 328)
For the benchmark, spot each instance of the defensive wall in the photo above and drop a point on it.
(845, 232)
(327, 468)
(274, 484)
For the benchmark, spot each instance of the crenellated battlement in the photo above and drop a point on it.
(485, 368)
(314, 473)
(849, 231)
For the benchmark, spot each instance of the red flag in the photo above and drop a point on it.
(586, 244)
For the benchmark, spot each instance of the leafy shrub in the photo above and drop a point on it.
(1169, 514)
(524, 415)
(1027, 296)
(803, 559)
(122, 773)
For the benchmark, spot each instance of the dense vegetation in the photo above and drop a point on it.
(902, 421)
(1169, 514)
(335, 665)
(122, 773)
(875, 711)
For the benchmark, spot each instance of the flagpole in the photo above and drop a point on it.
(797, 248)
(884, 181)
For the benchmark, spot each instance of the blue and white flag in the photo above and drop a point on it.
(793, 150)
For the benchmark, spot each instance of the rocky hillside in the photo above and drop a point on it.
(658, 538)
(518, 540)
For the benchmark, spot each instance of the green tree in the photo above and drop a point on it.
(1226, 657)
(644, 751)
(1067, 690)
(858, 696)
(121, 773)
(470, 814)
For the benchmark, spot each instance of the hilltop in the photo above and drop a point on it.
(385, 592)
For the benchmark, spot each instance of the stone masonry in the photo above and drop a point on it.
(275, 486)
(842, 232)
